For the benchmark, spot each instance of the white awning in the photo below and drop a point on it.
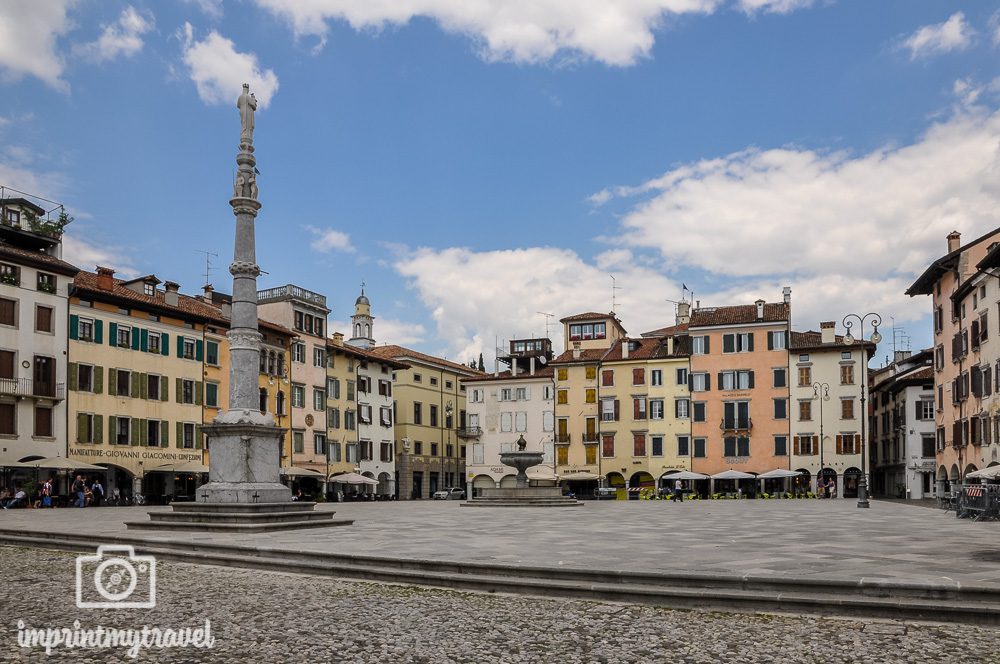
(684, 475)
(579, 477)
(733, 475)
(778, 473)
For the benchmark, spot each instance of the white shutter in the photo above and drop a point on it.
(522, 421)
(548, 421)
(527, 393)
(505, 422)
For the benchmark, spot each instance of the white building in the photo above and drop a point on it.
(825, 410)
(903, 436)
(376, 458)
(506, 405)
(34, 310)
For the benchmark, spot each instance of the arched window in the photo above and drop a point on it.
(280, 403)
(263, 362)
(271, 362)
(281, 365)
(263, 400)
(368, 331)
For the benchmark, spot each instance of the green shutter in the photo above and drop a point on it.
(143, 433)
(198, 388)
(199, 350)
(144, 340)
(135, 384)
(112, 381)
(135, 338)
(111, 429)
(180, 435)
(74, 326)
(81, 428)
(113, 334)
(98, 429)
(197, 437)
(180, 346)
(179, 385)
(164, 343)
(164, 433)
(98, 380)
(143, 386)
(98, 331)
(72, 376)
(164, 389)
(133, 434)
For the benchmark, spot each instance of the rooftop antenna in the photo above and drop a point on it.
(614, 287)
(548, 318)
(208, 264)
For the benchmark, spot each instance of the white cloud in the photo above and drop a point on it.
(616, 33)
(329, 239)
(772, 6)
(387, 331)
(86, 255)
(955, 34)
(994, 24)
(872, 215)
(123, 37)
(211, 8)
(28, 33)
(219, 70)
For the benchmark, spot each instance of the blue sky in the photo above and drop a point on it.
(478, 163)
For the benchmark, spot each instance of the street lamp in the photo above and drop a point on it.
(448, 412)
(821, 391)
(876, 320)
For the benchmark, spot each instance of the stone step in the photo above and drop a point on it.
(290, 506)
(192, 516)
(522, 503)
(216, 526)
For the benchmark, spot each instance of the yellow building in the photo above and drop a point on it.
(430, 408)
(136, 380)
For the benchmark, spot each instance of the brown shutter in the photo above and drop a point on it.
(795, 445)
(815, 449)
(840, 444)
(617, 410)
(857, 443)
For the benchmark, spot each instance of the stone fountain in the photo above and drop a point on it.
(522, 495)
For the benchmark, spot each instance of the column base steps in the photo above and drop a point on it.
(238, 517)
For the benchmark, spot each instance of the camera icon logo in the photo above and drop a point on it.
(115, 578)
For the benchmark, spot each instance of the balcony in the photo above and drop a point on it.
(736, 424)
(562, 439)
(591, 438)
(470, 432)
(25, 387)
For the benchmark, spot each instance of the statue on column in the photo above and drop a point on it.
(247, 104)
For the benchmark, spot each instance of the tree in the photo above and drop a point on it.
(482, 366)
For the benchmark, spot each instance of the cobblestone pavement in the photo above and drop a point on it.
(275, 617)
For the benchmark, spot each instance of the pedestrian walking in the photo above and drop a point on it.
(47, 493)
(77, 491)
(98, 490)
(677, 495)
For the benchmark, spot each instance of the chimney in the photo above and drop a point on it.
(531, 366)
(170, 293)
(576, 350)
(208, 292)
(827, 332)
(787, 293)
(954, 241)
(900, 355)
(670, 345)
(760, 309)
(683, 313)
(227, 310)
(105, 278)
(338, 339)
(513, 366)
(624, 349)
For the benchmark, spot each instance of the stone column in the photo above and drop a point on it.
(404, 466)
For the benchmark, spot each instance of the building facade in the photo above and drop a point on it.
(34, 300)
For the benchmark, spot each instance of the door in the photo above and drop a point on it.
(45, 376)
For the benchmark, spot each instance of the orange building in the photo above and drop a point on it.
(739, 361)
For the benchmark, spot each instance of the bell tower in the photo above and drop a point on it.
(362, 322)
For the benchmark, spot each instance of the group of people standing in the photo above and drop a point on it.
(83, 493)
(826, 488)
(87, 493)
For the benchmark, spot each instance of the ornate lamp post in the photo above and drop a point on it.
(449, 410)
(821, 391)
(876, 320)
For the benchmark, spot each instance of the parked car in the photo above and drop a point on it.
(454, 493)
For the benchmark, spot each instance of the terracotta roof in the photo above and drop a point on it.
(740, 314)
(36, 259)
(666, 331)
(590, 315)
(393, 352)
(812, 340)
(546, 372)
(924, 284)
(653, 348)
(586, 355)
(368, 355)
(187, 306)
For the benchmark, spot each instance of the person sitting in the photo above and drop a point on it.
(18, 500)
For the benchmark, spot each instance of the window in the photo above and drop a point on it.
(805, 376)
(85, 329)
(520, 422)
(153, 343)
(591, 373)
(85, 377)
(350, 420)
(607, 378)
(847, 409)
(547, 393)
(212, 353)
(319, 357)
(8, 419)
(848, 443)
(434, 415)
(656, 409)
(418, 412)
(699, 345)
(925, 410)
(298, 442)
(385, 416)
(43, 319)
(780, 377)
(385, 388)
(638, 376)
(123, 379)
(780, 409)
(8, 311)
(776, 340)
(741, 342)
(298, 352)
(10, 274)
(639, 408)
(385, 452)
(279, 403)
(521, 394)
(319, 443)
(700, 382)
(506, 394)
(805, 411)
(736, 415)
(46, 282)
(212, 395)
(187, 391)
(189, 435)
(639, 444)
(698, 411)
(681, 408)
(591, 395)
(562, 374)
(781, 446)
(333, 418)
(682, 376)
(562, 397)
(43, 422)
(927, 446)
(187, 348)
(683, 446)
(656, 377)
(298, 396)
(124, 336)
(85, 428)
(736, 446)
(417, 378)
(587, 331)
(806, 445)
(847, 374)
(699, 448)
(804, 357)
(123, 430)
(434, 449)
(350, 390)
(607, 446)
(434, 381)
(364, 413)
(609, 410)
(319, 400)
